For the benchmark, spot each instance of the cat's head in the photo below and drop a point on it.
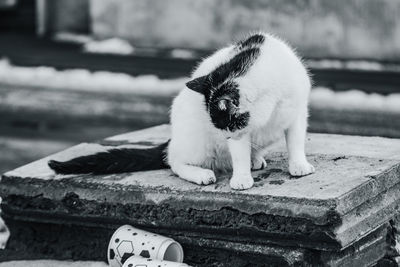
(222, 91)
(222, 103)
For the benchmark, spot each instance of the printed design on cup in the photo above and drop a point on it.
(142, 262)
(111, 254)
(145, 254)
(145, 249)
(125, 249)
(128, 241)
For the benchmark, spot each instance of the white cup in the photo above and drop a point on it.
(128, 241)
(142, 262)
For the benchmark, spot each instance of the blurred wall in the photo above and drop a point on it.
(68, 15)
(17, 16)
(318, 28)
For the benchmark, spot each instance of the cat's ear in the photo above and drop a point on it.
(198, 84)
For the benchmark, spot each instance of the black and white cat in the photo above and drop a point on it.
(239, 101)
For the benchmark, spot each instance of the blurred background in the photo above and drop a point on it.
(80, 70)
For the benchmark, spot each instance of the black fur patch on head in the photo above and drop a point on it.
(235, 67)
(198, 84)
(221, 92)
(223, 106)
(255, 40)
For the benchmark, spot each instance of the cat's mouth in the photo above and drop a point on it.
(229, 120)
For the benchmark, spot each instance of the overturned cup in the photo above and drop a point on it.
(128, 241)
(142, 262)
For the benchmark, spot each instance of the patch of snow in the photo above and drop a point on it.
(102, 81)
(109, 46)
(84, 80)
(364, 65)
(351, 65)
(183, 53)
(72, 37)
(324, 64)
(324, 98)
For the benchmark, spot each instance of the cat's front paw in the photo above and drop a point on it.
(241, 182)
(300, 168)
(204, 177)
(258, 164)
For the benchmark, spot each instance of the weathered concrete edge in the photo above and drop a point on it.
(294, 256)
(297, 230)
(365, 218)
(39, 240)
(322, 243)
(363, 253)
(319, 212)
(378, 183)
(367, 250)
(346, 236)
(392, 257)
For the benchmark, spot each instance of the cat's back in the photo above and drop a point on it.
(277, 72)
(279, 66)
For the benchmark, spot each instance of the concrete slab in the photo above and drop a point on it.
(354, 191)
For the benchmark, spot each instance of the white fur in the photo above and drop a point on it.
(274, 90)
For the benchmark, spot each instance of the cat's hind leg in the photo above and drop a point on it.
(295, 142)
(259, 149)
(257, 161)
(188, 153)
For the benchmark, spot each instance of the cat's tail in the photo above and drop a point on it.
(115, 161)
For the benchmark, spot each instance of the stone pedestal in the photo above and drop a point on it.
(338, 216)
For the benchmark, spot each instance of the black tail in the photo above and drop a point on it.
(115, 161)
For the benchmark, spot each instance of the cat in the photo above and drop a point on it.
(239, 101)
